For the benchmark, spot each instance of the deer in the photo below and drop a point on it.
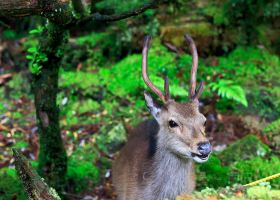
(157, 162)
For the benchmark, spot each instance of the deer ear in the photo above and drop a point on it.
(153, 107)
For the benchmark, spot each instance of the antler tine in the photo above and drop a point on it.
(166, 89)
(144, 69)
(198, 92)
(193, 94)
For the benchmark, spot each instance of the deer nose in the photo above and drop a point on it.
(204, 148)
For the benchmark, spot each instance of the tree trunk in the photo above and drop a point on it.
(52, 156)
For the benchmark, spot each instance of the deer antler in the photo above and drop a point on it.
(194, 93)
(148, 82)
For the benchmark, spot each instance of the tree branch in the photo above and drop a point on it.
(59, 11)
(18, 7)
(55, 10)
(110, 18)
(34, 185)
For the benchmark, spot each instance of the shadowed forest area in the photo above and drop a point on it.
(71, 89)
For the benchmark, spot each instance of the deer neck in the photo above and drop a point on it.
(171, 175)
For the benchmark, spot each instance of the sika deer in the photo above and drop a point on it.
(157, 161)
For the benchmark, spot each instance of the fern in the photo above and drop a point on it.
(228, 89)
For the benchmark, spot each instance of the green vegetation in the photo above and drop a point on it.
(272, 133)
(237, 192)
(84, 84)
(244, 161)
(249, 144)
(10, 185)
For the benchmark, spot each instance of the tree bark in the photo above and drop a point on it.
(34, 186)
(57, 11)
(52, 155)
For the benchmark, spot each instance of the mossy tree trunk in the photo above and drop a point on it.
(52, 155)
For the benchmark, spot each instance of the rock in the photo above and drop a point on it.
(244, 149)
(272, 132)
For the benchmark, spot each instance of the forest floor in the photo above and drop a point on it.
(18, 130)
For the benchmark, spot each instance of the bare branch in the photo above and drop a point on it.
(116, 17)
(57, 11)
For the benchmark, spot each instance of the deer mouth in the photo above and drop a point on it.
(202, 157)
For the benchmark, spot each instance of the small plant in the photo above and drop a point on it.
(35, 56)
(229, 90)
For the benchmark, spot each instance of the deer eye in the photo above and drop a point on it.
(172, 124)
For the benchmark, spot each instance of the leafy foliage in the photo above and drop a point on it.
(227, 89)
(253, 69)
(35, 56)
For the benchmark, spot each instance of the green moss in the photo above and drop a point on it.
(272, 131)
(246, 171)
(212, 174)
(82, 171)
(52, 156)
(10, 186)
(82, 174)
(247, 148)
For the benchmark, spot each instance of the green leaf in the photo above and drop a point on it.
(228, 89)
(37, 30)
(32, 49)
(29, 57)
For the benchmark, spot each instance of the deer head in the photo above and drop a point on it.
(182, 126)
